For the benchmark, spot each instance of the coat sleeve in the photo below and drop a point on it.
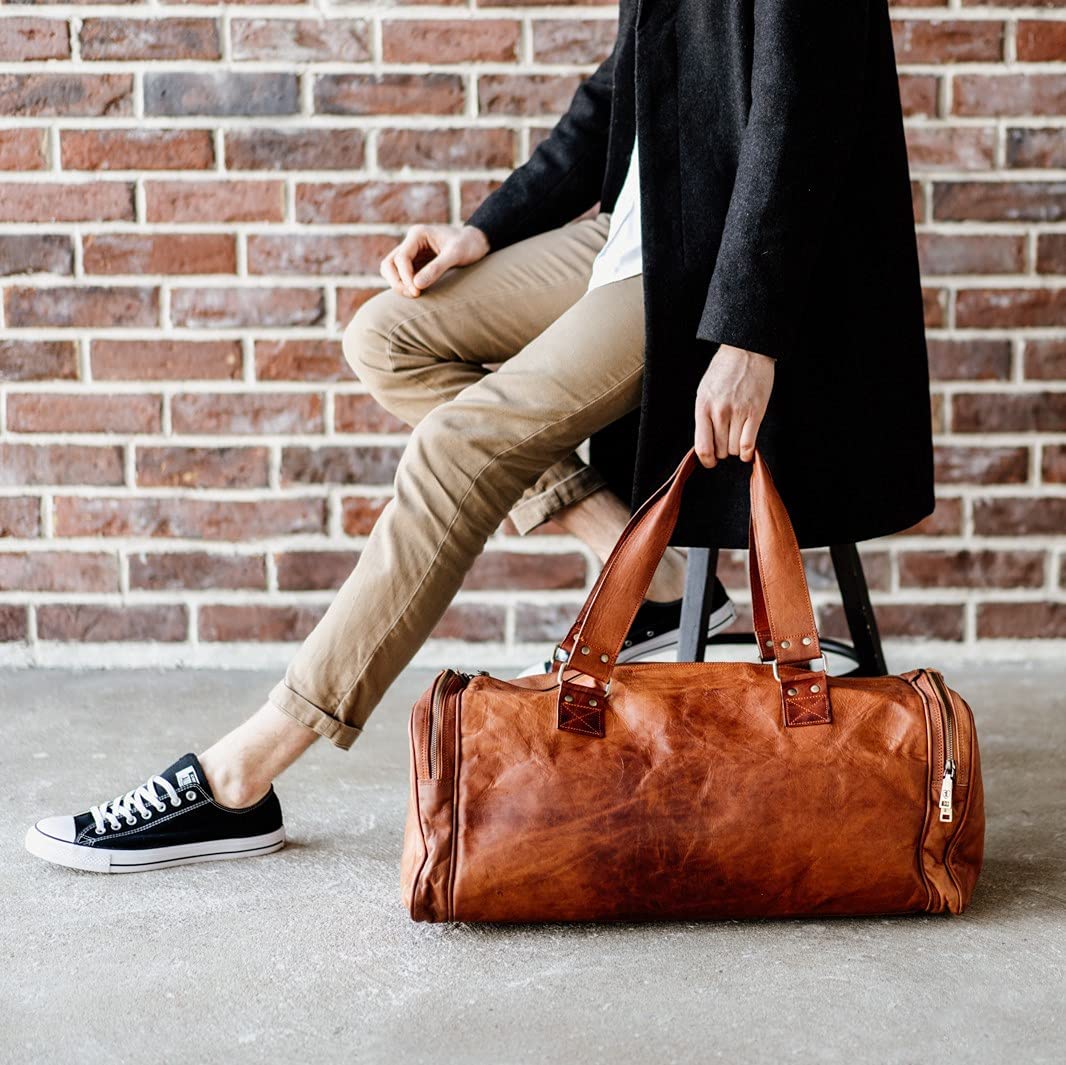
(806, 91)
(563, 177)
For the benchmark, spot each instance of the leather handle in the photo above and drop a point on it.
(784, 618)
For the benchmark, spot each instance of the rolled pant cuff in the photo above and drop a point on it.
(315, 718)
(538, 509)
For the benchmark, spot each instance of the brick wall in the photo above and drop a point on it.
(194, 199)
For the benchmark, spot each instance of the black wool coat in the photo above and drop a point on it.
(776, 216)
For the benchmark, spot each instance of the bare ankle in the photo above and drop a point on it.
(230, 784)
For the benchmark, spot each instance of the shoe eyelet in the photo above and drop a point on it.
(190, 795)
(175, 803)
(131, 821)
(147, 815)
(100, 831)
(161, 808)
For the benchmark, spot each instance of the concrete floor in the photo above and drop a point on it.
(308, 955)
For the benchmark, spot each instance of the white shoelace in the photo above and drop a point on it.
(136, 800)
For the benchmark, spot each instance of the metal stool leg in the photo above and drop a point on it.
(696, 606)
(858, 610)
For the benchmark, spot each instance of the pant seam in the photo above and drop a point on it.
(498, 455)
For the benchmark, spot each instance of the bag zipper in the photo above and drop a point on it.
(947, 784)
(448, 680)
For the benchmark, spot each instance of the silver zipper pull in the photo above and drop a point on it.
(947, 787)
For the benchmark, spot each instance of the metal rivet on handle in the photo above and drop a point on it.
(769, 643)
(792, 691)
(605, 658)
(568, 698)
(592, 702)
(806, 641)
(785, 644)
(815, 688)
(584, 650)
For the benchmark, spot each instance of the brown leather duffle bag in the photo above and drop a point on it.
(692, 790)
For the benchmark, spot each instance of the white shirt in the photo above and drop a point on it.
(620, 257)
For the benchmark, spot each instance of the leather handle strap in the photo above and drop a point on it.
(780, 597)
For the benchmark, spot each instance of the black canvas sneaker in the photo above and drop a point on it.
(172, 819)
(657, 628)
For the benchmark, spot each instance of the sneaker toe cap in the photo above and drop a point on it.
(61, 828)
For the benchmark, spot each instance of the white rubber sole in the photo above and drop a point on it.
(103, 860)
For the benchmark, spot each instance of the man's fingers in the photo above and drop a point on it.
(430, 273)
(389, 272)
(722, 418)
(736, 427)
(748, 436)
(705, 438)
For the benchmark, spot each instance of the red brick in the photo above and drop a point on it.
(1053, 464)
(919, 94)
(946, 520)
(68, 95)
(160, 253)
(23, 149)
(951, 147)
(295, 149)
(999, 201)
(37, 360)
(214, 201)
(447, 149)
(226, 94)
(316, 254)
(971, 569)
(360, 513)
(103, 201)
(24, 464)
(1034, 148)
(948, 41)
(136, 149)
(150, 39)
(472, 193)
(1020, 516)
(1007, 308)
(260, 624)
(44, 412)
(191, 519)
(969, 360)
(919, 621)
(525, 94)
(573, 40)
(196, 571)
(14, 624)
(389, 94)
(363, 414)
(24, 39)
(1026, 412)
(544, 622)
(475, 622)
(20, 517)
(202, 467)
(85, 623)
(514, 570)
(27, 253)
(937, 409)
(256, 412)
(450, 40)
(113, 307)
(1045, 360)
(301, 40)
(58, 571)
(984, 253)
(1051, 253)
(1021, 621)
(304, 571)
(236, 308)
(360, 465)
(1041, 41)
(165, 360)
(981, 465)
(934, 301)
(1010, 94)
(301, 360)
(405, 202)
(349, 300)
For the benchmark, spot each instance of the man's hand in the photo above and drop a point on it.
(730, 404)
(427, 251)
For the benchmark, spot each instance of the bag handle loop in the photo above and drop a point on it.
(783, 617)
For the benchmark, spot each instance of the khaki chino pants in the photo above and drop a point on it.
(485, 443)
